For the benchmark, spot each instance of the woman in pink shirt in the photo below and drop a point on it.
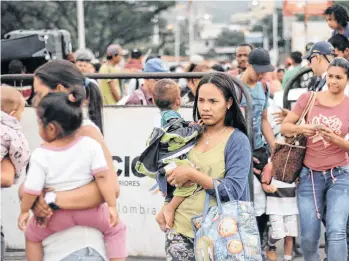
(324, 178)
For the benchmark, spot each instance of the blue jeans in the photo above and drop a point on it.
(330, 188)
(85, 254)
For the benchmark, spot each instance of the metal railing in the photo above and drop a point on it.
(142, 75)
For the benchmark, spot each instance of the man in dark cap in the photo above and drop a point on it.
(319, 57)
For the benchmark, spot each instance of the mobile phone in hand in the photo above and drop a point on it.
(319, 126)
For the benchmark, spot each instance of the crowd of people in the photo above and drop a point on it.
(188, 156)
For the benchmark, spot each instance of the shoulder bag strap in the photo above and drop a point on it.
(308, 107)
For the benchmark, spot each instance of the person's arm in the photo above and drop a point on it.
(19, 160)
(238, 163)
(114, 89)
(238, 157)
(7, 173)
(106, 188)
(267, 130)
(100, 172)
(285, 79)
(88, 196)
(280, 115)
(93, 133)
(331, 137)
(35, 180)
(289, 128)
(28, 202)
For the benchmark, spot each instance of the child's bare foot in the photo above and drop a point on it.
(160, 218)
(169, 213)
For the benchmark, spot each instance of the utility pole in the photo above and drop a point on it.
(275, 34)
(81, 23)
(306, 17)
(177, 39)
(191, 28)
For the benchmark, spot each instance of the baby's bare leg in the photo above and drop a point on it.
(170, 208)
(160, 218)
(34, 251)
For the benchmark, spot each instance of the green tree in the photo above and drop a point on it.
(124, 22)
(229, 38)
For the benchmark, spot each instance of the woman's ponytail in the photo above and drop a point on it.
(95, 103)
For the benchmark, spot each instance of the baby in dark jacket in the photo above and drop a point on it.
(168, 147)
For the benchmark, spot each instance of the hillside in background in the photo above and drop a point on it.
(221, 11)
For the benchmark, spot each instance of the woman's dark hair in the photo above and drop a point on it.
(218, 68)
(339, 42)
(339, 13)
(63, 109)
(340, 62)
(246, 45)
(97, 66)
(225, 83)
(95, 103)
(68, 75)
(193, 67)
(296, 57)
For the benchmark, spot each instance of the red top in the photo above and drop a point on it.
(321, 155)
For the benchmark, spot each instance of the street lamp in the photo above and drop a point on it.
(207, 16)
(255, 2)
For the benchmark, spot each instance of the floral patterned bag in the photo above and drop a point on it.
(289, 153)
(227, 232)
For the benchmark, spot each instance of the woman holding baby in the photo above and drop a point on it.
(221, 153)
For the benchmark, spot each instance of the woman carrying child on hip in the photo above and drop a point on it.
(54, 165)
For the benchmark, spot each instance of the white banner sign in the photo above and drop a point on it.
(126, 131)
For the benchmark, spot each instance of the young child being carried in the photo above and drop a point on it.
(167, 148)
(66, 161)
(13, 143)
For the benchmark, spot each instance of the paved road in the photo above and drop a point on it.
(19, 256)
